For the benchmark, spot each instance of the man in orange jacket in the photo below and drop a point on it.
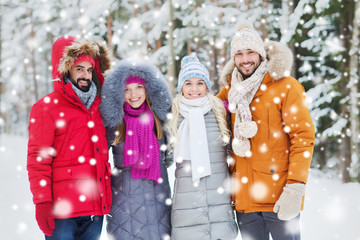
(273, 137)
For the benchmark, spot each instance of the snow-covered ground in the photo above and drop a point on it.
(332, 209)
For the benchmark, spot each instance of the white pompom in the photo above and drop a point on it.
(247, 129)
(241, 146)
(244, 24)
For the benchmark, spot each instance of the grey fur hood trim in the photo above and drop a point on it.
(112, 94)
(280, 60)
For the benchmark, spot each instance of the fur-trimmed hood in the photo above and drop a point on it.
(280, 60)
(112, 94)
(66, 49)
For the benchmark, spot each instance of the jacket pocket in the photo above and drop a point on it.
(75, 187)
(268, 181)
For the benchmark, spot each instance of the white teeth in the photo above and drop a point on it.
(246, 65)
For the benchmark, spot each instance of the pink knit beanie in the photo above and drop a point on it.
(134, 79)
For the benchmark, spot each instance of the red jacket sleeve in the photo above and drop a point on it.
(40, 153)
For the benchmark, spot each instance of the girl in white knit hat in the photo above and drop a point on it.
(201, 203)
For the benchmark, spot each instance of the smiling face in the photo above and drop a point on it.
(81, 75)
(194, 88)
(135, 94)
(247, 61)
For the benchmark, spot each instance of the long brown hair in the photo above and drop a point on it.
(121, 129)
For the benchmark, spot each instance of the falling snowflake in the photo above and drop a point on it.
(179, 159)
(62, 208)
(166, 237)
(244, 179)
(60, 123)
(93, 161)
(263, 148)
(293, 109)
(47, 152)
(145, 118)
(94, 138)
(169, 116)
(81, 159)
(275, 177)
(168, 201)
(43, 183)
(46, 99)
(82, 198)
(259, 191)
(220, 190)
(306, 154)
(287, 129)
(91, 124)
(163, 147)
(276, 100)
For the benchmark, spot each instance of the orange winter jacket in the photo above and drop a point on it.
(281, 150)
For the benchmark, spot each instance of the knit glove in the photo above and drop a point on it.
(45, 218)
(289, 204)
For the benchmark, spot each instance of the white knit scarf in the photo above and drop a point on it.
(240, 96)
(192, 144)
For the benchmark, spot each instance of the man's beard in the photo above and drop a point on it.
(82, 88)
(245, 74)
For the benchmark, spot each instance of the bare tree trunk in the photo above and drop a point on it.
(189, 47)
(109, 33)
(346, 141)
(79, 17)
(32, 59)
(2, 84)
(215, 77)
(322, 154)
(171, 67)
(346, 159)
(263, 26)
(354, 86)
(147, 45)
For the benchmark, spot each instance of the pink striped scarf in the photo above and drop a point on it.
(141, 147)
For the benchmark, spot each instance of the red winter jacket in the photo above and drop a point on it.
(67, 149)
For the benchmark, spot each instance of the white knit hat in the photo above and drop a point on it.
(247, 38)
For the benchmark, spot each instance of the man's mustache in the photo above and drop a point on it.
(84, 79)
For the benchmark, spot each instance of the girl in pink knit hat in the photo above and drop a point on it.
(135, 103)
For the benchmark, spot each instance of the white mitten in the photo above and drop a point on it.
(289, 204)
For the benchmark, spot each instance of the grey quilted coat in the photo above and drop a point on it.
(204, 212)
(140, 209)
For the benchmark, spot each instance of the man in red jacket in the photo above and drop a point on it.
(67, 159)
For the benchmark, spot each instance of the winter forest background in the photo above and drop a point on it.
(324, 36)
